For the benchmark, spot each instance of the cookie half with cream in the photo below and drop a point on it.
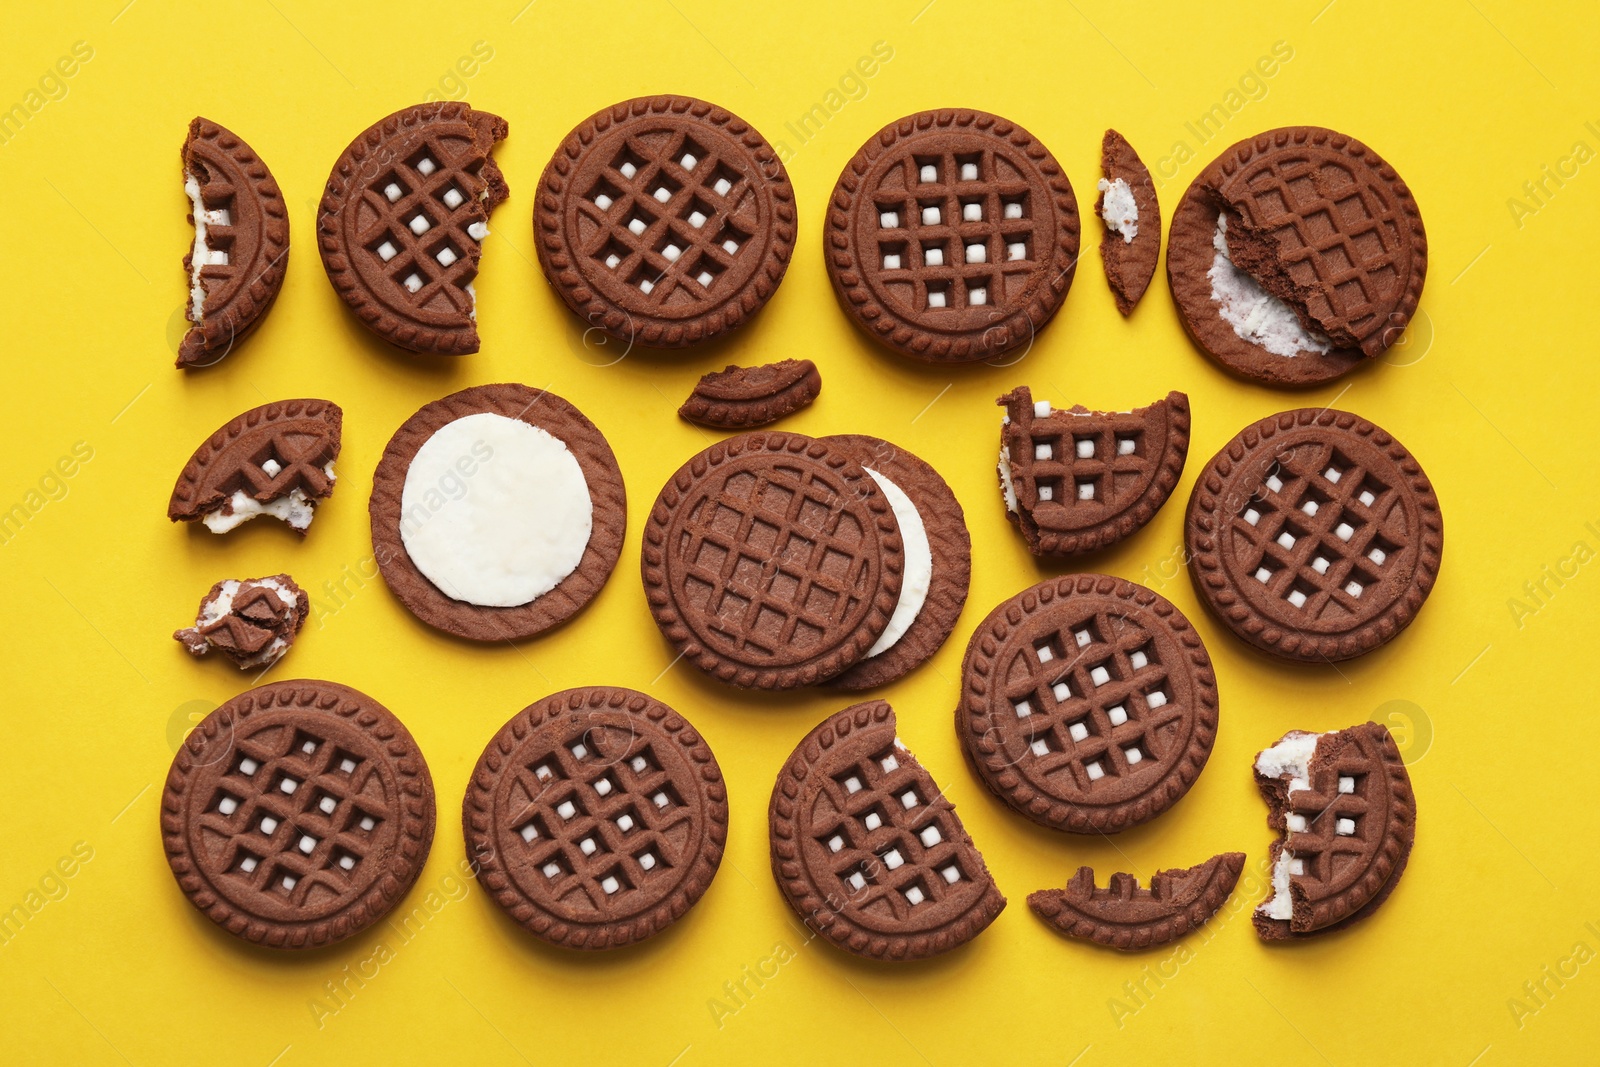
(497, 512)
(276, 459)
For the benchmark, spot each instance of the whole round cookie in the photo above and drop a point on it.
(497, 512)
(952, 236)
(596, 817)
(1088, 703)
(1314, 535)
(772, 560)
(664, 221)
(1296, 256)
(868, 850)
(938, 561)
(402, 222)
(297, 814)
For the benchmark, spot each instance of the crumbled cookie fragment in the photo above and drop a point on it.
(252, 621)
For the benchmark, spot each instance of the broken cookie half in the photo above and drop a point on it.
(241, 242)
(1342, 802)
(1127, 916)
(251, 621)
(1132, 217)
(276, 459)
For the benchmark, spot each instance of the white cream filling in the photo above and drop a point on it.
(1290, 758)
(1007, 486)
(296, 508)
(1118, 209)
(499, 531)
(202, 254)
(1257, 317)
(918, 573)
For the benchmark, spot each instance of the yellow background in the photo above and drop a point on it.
(1493, 391)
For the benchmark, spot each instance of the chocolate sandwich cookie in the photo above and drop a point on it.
(1296, 256)
(402, 223)
(868, 850)
(1076, 481)
(297, 814)
(1127, 916)
(275, 460)
(741, 397)
(1314, 535)
(952, 236)
(497, 512)
(1343, 805)
(1087, 704)
(596, 817)
(664, 221)
(772, 560)
(938, 561)
(252, 622)
(241, 242)
(1128, 207)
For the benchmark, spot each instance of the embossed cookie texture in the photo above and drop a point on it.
(1128, 207)
(1088, 703)
(1126, 915)
(402, 222)
(1076, 480)
(497, 512)
(1314, 535)
(1344, 809)
(741, 397)
(297, 814)
(241, 242)
(276, 459)
(596, 817)
(952, 236)
(664, 221)
(868, 850)
(252, 621)
(1296, 256)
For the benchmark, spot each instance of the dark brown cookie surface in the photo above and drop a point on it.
(241, 248)
(402, 222)
(297, 814)
(1078, 480)
(1319, 265)
(740, 397)
(942, 586)
(252, 622)
(1314, 535)
(1127, 916)
(596, 817)
(867, 849)
(772, 560)
(1131, 244)
(1088, 703)
(545, 412)
(1343, 805)
(276, 459)
(664, 221)
(952, 236)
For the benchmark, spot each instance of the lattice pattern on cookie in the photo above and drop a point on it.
(891, 846)
(1092, 700)
(1316, 533)
(1097, 467)
(299, 819)
(1336, 817)
(669, 215)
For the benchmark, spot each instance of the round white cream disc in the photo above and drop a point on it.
(918, 565)
(495, 512)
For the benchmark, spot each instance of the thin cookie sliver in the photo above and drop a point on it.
(1125, 915)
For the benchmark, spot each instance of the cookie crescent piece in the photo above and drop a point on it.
(1078, 480)
(1127, 916)
(1088, 703)
(1314, 535)
(241, 242)
(1297, 256)
(772, 560)
(1343, 805)
(402, 223)
(868, 850)
(664, 221)
(276, 459)
(297, 814)
(741, 397)
(596, 817)
(497, 512)
(1128, 207)
(952, 236)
